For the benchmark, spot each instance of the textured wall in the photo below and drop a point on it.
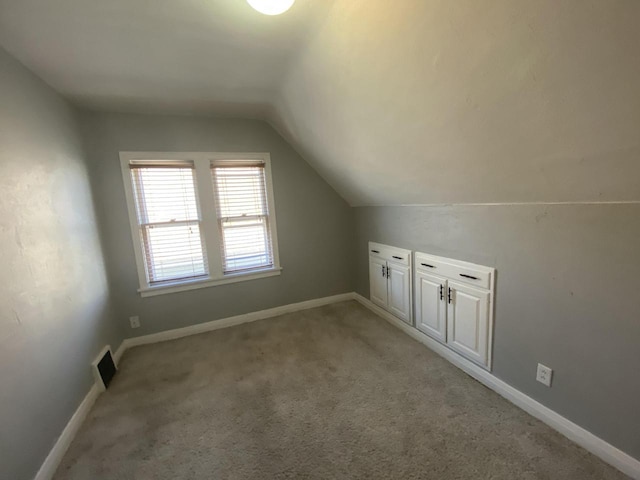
(55, 313)
(314, 223)
(567, 297)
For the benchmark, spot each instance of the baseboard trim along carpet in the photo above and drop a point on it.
(61, 446)
(229, 322)
(587, 440)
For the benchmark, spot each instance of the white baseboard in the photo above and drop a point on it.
(51, 463)
(229, 322)
(117, 355)
(587, 440)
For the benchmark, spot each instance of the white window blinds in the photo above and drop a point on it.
(243, 215)
(168, 220)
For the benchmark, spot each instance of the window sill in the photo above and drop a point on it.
(209, 282)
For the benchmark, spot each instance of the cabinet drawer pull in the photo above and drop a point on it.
(375, 251)
(397, 258)
(469, 276)
(427, 265)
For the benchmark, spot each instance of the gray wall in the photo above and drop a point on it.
(314, 223)
(56, 313)
(568, 278)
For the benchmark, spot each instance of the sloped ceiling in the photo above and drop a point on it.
(405, 102)
(440, 101)
(183, 56)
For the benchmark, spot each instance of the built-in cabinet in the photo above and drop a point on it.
(431, 309)
(468, 321)
(390, 279)
(454, 305)
(453, 299)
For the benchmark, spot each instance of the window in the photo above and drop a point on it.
(200, 219)
(243, 215)
(169, 221)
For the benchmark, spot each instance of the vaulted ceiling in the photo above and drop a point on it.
(407, 102)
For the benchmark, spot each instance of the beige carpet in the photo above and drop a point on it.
(333, 392)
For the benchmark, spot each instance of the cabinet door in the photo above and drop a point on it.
(431, 305)
(400, 291)
(468, 321)
(378, 281)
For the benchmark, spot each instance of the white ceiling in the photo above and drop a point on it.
(406, 102)
(206, 56)
(467, 101)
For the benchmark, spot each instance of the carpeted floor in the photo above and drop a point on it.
(329, 393)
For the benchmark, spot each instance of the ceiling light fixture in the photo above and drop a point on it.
(271, 7)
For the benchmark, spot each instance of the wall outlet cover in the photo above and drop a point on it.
(134, 321)
(544, 375)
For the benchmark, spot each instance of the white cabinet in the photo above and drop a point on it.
(431, 310)
(390, 279)
(454, 305)
(399, 284)
(378, 281)
(468, 321)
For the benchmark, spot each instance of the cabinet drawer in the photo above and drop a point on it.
(428, 264)
(391, 254)
(471, 276)
(400, 258)
(376, 251)
(455, 270)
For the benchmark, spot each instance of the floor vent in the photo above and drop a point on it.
(104, 368)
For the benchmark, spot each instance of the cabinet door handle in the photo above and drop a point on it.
(427, 265)
(375, 251)
(383, 274)
(441, 292)
(388, 272)
(469, 276)
(449, 294)
(397, 258)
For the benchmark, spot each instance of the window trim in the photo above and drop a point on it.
(207, 208)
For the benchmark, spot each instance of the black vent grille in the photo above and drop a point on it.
(106, 368)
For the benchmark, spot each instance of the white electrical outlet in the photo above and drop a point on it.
(544, 375)
(134, 321)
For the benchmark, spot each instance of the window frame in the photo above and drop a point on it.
(206, 203)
